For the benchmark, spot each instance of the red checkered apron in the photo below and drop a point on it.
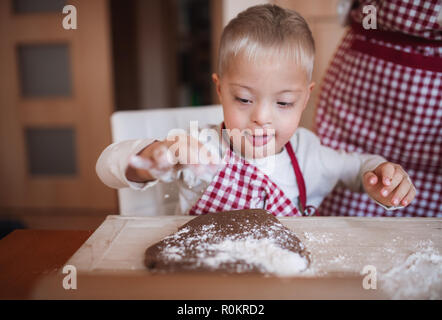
(382, 94)
(240, 185)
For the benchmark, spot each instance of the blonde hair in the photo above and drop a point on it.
(265, 30)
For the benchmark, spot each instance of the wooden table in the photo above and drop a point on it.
(27, 255)
(109, 261)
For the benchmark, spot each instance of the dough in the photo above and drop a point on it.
(240, 241)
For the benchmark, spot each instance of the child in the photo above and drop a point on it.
(264, 83)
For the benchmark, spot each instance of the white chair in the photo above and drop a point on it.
(156, 123)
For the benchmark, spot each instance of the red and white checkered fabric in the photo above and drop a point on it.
(412, 17)
(382, 106)
(240, 185)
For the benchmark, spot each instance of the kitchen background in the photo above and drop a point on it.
(58, 89)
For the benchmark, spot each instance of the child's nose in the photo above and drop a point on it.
(262, 115)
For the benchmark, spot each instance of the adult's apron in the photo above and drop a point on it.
(382, 94)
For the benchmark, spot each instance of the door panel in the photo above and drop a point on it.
(61, 107)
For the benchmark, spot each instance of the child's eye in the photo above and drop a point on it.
(244, 101)
(285, 104)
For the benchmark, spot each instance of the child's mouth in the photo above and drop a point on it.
(259, 140)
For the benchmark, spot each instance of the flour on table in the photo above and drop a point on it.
(322, 238)
(418, 277)
(340, 259)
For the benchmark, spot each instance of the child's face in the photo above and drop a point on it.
(261, 98)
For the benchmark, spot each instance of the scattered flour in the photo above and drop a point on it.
(246, 251)
(418, 277)
(264, 253)
(339, 259)
(193, 175)
(389, 250)
(323, 238)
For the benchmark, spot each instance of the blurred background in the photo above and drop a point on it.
(58, 89)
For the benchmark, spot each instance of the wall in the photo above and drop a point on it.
(322, 18)
(156, 54)
(232, 7)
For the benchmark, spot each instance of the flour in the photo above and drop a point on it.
(255, 248)
(263, 253)
(193, 176)
(340, 259)
(322, 239)
(389, 251)
(418, 277)
(173, 253)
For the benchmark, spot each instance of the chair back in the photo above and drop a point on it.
(161, 199)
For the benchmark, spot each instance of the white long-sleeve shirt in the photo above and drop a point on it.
(322, 168)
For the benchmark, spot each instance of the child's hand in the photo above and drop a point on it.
(390, 185)
(162, 159)
(151, 163)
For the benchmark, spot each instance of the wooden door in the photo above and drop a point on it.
(55, 104)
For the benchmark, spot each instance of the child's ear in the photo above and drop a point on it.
(217, 83)
(309, 91)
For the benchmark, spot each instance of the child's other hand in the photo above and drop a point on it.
(390, 185)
